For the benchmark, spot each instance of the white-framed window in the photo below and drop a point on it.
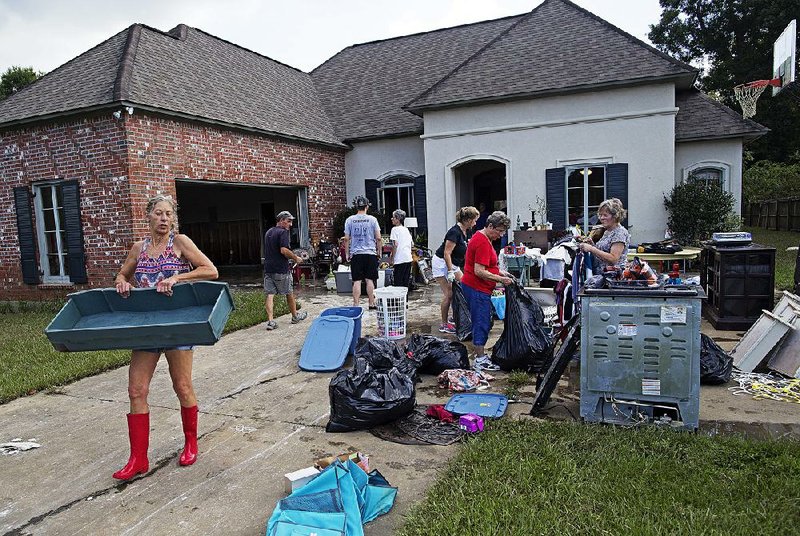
(708, 172)
(397, 193)
(51, 232)
(708, 175)
(586, 189)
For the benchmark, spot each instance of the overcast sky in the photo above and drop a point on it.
(44, 34)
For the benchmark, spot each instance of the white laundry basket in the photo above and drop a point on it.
(391, 302)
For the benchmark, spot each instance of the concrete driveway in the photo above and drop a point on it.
(261, 417)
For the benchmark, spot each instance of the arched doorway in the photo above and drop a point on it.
(481, 182)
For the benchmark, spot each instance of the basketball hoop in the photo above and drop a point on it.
(748, 94)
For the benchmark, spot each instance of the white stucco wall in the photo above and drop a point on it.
(722, 154)
(630, 125)
(380, 159)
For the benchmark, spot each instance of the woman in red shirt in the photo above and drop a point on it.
(481, 274)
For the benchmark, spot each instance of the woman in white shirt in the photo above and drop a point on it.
(401, 250)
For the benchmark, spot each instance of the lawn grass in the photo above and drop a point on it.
(784, 260)
(525, 477)
(28, 363)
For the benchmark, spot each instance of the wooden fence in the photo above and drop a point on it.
(775, 214)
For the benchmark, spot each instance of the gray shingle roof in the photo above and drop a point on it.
(185, 71)
(364, 86)
(702, 118)
(557, 47)
(83, 82)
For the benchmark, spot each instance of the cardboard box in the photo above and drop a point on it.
(299, 478)
(362, 460)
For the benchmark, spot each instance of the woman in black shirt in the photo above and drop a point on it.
(448, 261)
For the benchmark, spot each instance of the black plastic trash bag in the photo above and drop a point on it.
(436, 355)
(363, 397)
(716, 365)
(384, 354)
(461, 313)
(524, 343)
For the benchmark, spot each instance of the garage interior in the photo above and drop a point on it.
(227, 221)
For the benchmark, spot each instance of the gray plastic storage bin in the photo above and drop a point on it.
(101, 319)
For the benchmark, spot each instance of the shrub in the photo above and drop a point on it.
(770, 180)
(695, 210)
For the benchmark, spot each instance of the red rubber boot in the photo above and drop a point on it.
(139, 436)
(189, 419)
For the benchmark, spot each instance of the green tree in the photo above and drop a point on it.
(736, 37)
(16, 78)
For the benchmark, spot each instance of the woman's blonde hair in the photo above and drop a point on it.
(156, 199)
(614, 207)
(465, 214)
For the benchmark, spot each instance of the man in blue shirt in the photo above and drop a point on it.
(363, 244)
(277, 275)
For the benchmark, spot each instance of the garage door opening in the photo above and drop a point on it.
(228, 221)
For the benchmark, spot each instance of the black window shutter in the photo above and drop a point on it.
(27, 237)
(74, 231)
(556, 187)
(617, 185)
(371, 192)
(420, 204)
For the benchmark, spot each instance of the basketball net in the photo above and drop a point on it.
(748, 94)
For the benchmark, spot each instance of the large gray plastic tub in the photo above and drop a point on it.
(100, 319)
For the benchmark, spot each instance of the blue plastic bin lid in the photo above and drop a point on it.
(327, 343)
(491, 405)
(350, 312)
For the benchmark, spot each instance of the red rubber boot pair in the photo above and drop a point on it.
(139, 436)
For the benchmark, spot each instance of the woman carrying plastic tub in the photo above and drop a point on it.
(481, 274)
(448, 260)
(161, 260)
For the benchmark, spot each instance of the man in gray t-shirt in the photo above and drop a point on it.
(363, 244)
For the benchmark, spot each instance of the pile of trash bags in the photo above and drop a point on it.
(380, 387)
(525, 342)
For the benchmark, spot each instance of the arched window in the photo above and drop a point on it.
(397, 192)
(708, 175)
(709, 172)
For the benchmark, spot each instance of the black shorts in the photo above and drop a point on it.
(364, 266)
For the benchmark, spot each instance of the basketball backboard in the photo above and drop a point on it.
(784, 58)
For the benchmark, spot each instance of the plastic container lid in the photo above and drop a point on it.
(327, 343)
(491, 405)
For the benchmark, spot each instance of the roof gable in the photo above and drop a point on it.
(83, 82)
(186, 72)
(557, 47)
(364, 86)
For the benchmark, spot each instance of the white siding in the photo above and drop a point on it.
(631, 125)
(722, 154)
(381, 158)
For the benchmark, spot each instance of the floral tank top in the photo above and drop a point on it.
(150, 271)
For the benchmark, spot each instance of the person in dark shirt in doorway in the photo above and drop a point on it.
(277, 275)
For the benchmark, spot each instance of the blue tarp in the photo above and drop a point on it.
(336, 502)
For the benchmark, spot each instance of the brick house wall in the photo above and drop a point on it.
(121, 163)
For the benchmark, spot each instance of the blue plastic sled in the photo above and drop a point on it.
(327, 343)
(491, 405)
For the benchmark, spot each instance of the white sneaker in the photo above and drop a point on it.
(484, 362)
